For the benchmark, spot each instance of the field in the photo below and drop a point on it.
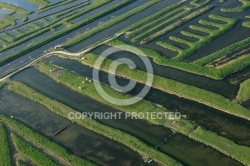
(51, 52)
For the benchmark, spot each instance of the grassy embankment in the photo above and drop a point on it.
(244, 91)
(181, 90)
(108, 24)
(198, 4)
(246, 24)
(43, 142)
(185, 127)
(5, 155)
(245, 6)
(61, 32)
(31, 152)
(114, 134)
(193, 46)
(176, 24)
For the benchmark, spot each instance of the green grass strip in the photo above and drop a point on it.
(109, 23)
(246, 24)
(191, 34)
(210, 23)
(114, 134)
(44, 142)
(202, 29)
(170, 46)
(5, 155)
(183, 41)
(185, 127)
(198, 4)
(31, 152)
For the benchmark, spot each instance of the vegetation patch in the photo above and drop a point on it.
(31, 152)
(5, 150)
(246, 24)
(244, 92)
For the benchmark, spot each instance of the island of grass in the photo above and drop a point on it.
(244, 92)
(31, 152)
(5, 155)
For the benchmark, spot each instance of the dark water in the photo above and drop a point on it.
(76, 139)
(226, 125)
